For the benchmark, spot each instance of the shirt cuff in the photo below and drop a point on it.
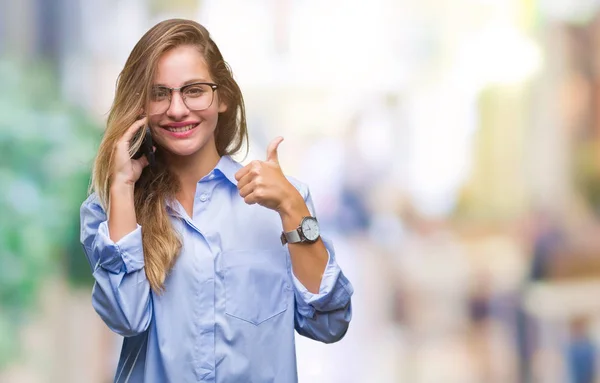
(334, 293)
(126, 254)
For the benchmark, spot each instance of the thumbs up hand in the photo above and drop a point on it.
(272, 155)
(264, 183)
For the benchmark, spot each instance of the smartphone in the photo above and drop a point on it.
(146, 147)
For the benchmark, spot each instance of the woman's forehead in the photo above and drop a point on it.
(180, 66)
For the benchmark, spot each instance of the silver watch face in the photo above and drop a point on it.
(310, 228)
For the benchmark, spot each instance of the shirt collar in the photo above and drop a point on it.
(227, 167)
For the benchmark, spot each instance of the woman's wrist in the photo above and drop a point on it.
(120, 187)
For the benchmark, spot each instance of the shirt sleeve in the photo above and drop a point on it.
(335, 291)
(324, 316)
(121, 294)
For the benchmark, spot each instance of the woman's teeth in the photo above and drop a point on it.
(182, 129)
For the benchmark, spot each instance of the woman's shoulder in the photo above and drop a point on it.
(91, 216)
(92, 199)
(92, 206)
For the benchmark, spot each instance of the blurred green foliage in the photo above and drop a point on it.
(46, 152)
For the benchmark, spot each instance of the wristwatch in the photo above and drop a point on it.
(307, 232)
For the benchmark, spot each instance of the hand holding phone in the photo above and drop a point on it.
(125, 169)
(147, 147)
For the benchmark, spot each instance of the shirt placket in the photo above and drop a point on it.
(204, 307)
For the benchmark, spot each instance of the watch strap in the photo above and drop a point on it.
(290, 237)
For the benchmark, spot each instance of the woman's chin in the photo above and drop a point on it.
(187, 147)
(183, 152)
(182, 149)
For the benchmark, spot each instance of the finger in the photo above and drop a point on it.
(242, 172)
(245, 180)
(251, 199)
(142, 161)
(272, 155)
(247, 190)
(254, 165)
(134, 128)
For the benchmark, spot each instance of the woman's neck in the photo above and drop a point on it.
(190, 169)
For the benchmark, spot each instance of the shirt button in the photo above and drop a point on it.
(203, 197)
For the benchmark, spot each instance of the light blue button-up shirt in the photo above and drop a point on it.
(231, 302)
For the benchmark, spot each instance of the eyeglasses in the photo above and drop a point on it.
(197, 96)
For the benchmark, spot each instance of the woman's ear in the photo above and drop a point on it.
(222, 107)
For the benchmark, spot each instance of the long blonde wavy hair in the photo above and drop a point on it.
(158, 186)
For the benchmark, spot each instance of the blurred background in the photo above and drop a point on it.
(452, 149)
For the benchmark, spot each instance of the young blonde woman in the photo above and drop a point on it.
(204, 266)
